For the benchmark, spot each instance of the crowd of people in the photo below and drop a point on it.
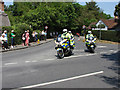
(36, 35)
(4, 39)
(25, 38)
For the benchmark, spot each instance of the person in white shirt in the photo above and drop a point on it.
(5, 33)
(3, 40)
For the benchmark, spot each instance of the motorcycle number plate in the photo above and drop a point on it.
(59, 49)
(92, 46)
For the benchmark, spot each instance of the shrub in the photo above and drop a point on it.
(19, 30)
(93, 26)
(108, 35)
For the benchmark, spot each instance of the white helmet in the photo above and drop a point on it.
(5, 31)
(89, 32)
(69, 31)
(64, 30)
(12, 31)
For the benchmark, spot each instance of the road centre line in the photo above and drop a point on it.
(74, 56)
(27, 61)
(34, 61)
(101, 46)
(50, 59)
(10, 63)
(62, 80)
(80, 55)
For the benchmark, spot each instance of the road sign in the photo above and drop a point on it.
(46, 27)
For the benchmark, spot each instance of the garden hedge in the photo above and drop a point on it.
(109, 35)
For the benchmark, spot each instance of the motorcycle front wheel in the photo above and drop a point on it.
(60, 54)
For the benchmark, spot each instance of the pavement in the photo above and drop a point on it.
(32, 44)
(38, 67)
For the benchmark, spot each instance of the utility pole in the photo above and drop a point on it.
(100, 32)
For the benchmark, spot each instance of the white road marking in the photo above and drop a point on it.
(9, 63)
(27, 61)
(62, 80)
(101, 46)
(111, 50)
(116, 51)
(50, 59)
(34, 61)
(80, 55)
(103, 52)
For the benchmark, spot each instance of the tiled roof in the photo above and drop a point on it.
(110, 23)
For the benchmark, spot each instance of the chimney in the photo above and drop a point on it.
(1, 6)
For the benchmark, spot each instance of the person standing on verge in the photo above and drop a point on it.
(23, 38)
(40, 33)
(12, 39)
(45, 35)
(27, 38)
(5, 33)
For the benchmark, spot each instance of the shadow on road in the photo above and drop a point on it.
(115, 57)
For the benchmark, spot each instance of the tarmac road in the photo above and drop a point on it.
(38, 67)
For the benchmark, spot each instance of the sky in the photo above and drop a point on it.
(108, 6)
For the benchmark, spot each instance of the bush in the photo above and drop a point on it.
(93, 26)
(108, 35)
(8, 28)
(19, 30)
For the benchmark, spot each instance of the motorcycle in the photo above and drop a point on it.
(62, 47)
(91, 44)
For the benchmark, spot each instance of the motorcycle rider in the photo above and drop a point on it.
(66, 37)
(72, 43)
(88, 36)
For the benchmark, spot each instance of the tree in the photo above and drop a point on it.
(117, 11)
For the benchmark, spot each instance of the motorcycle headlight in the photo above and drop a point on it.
(90, 41)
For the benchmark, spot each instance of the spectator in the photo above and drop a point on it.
(12, 39)
(54, 34)
(40, 33)
(50, 34)
(33, 35)
(27, 38)
(3, 40)
(57, 33)
(45, 33)
(36, 36)
(24, 38)
(5, 33)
